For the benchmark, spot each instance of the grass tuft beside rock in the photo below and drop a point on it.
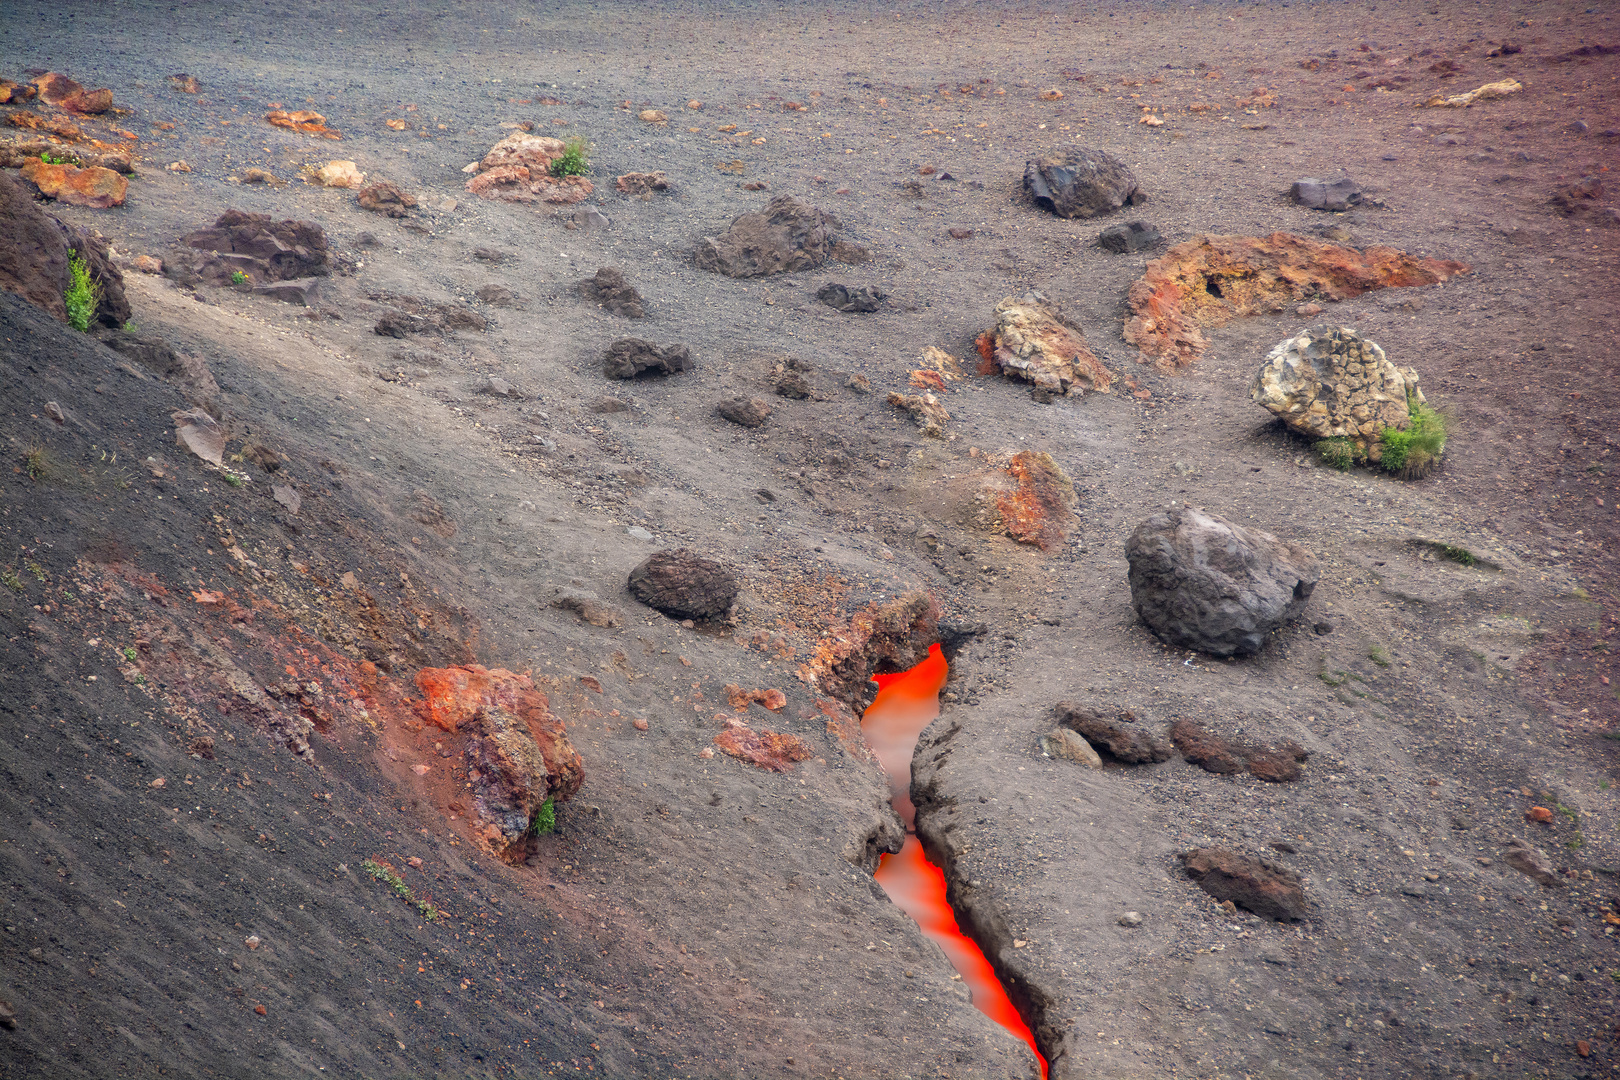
(1415, 451)
(83, 294)
(573, 161)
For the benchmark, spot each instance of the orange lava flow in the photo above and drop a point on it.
(907, 703)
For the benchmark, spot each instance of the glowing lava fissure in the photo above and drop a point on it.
(907, 702)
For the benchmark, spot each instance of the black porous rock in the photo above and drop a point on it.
(1082, 184)
(1326, 194)
(629, 357)
(683, 585)
(860, 298)
(1202, 582)
(1132, 236)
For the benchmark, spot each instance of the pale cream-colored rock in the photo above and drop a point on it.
(1061, 742)
(533, 152)
(1329, 382)
(339, 174)
(925, 409)
(1488, 92)
(1032, 341)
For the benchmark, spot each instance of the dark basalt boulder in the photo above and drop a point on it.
(1082, 184)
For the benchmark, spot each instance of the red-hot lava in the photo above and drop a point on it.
(907, 702)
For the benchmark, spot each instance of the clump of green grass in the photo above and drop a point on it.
(545, 818)
(37, 570)
(36, 462)
(51, 159)
(83, 294)
(1338, 453)
(573, 161)
(1459, 555)
(129, 653)
(1378, 656)
(9, 576)
(381, 871)
(239, 277)
(130, 326)
(1415, 451)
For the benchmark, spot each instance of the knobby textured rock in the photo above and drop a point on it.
(636, 183)
(1115, 732)
(787, 235)
(1260, 886)
(384, 198)
(1203, 582)
(858, 298)
(616, 295)
(1330, 382)
(1034, 342)
(892, 636)
(629, 357)
(1210, 280)
(1082, 183)
(684, 585)
(925, 409)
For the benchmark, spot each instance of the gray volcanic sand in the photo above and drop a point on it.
(700, 917)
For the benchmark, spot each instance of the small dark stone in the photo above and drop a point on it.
(1131, 236)
(497, 296)
(609, 405)
(628, 358)
(960, 234)
(683, 585)
(1268, 890)
(861, 298)
(1339, 194)
(745, 411)
(483, 254)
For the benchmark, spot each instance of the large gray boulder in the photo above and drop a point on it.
(1082, 183)
(1202, 582)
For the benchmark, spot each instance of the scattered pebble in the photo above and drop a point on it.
(1130, 918)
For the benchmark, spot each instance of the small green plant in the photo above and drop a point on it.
(130, 326)
(1460, 555)
(36, 462)
(1604, 785)
(83, 294)
(51, 159)
(37, 570)
(1414, 452)
(573, 161)
(129, 653)
(1338, 453)
(239, 277)
(9, 576)
(233, 479)
(381, 871)
(545, 818)
(1378, 656)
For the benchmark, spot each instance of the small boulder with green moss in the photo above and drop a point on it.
(1335, 386)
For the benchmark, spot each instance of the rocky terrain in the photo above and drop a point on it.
(330, 544)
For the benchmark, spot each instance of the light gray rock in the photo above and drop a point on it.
(1330, 382)
(1062, 742)
(1339, 194)
(1203, 582)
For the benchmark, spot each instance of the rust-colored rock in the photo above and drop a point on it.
(1268, 890)
(94, 187)
(771, 750)
(881, 637)
(1276, 764)
(643, 183)
(1038, 508)
(1034, 342)
(1539, 813)
(59, 126)
(55, 88)
(1210, 280)
(740, 698)
(13, 94)
(385, 198)
(302, 121)
(518, 183)
(532, 152)
(88, 102)
(515, 765)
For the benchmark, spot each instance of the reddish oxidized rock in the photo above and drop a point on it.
(1210, 280)
(772, 698)
(512, 775)
(1039, 510)
(95, 187)
(772, 750)
(892, 637)
(1034, 342)
(1268, 890)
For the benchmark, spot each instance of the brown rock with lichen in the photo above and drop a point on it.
(1034, 342)
(94, 187)
(771, 750)
(56, 125)
(11, 93)
(1118, 734)
(1210, 280)
(55, 88)
(89, 102)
